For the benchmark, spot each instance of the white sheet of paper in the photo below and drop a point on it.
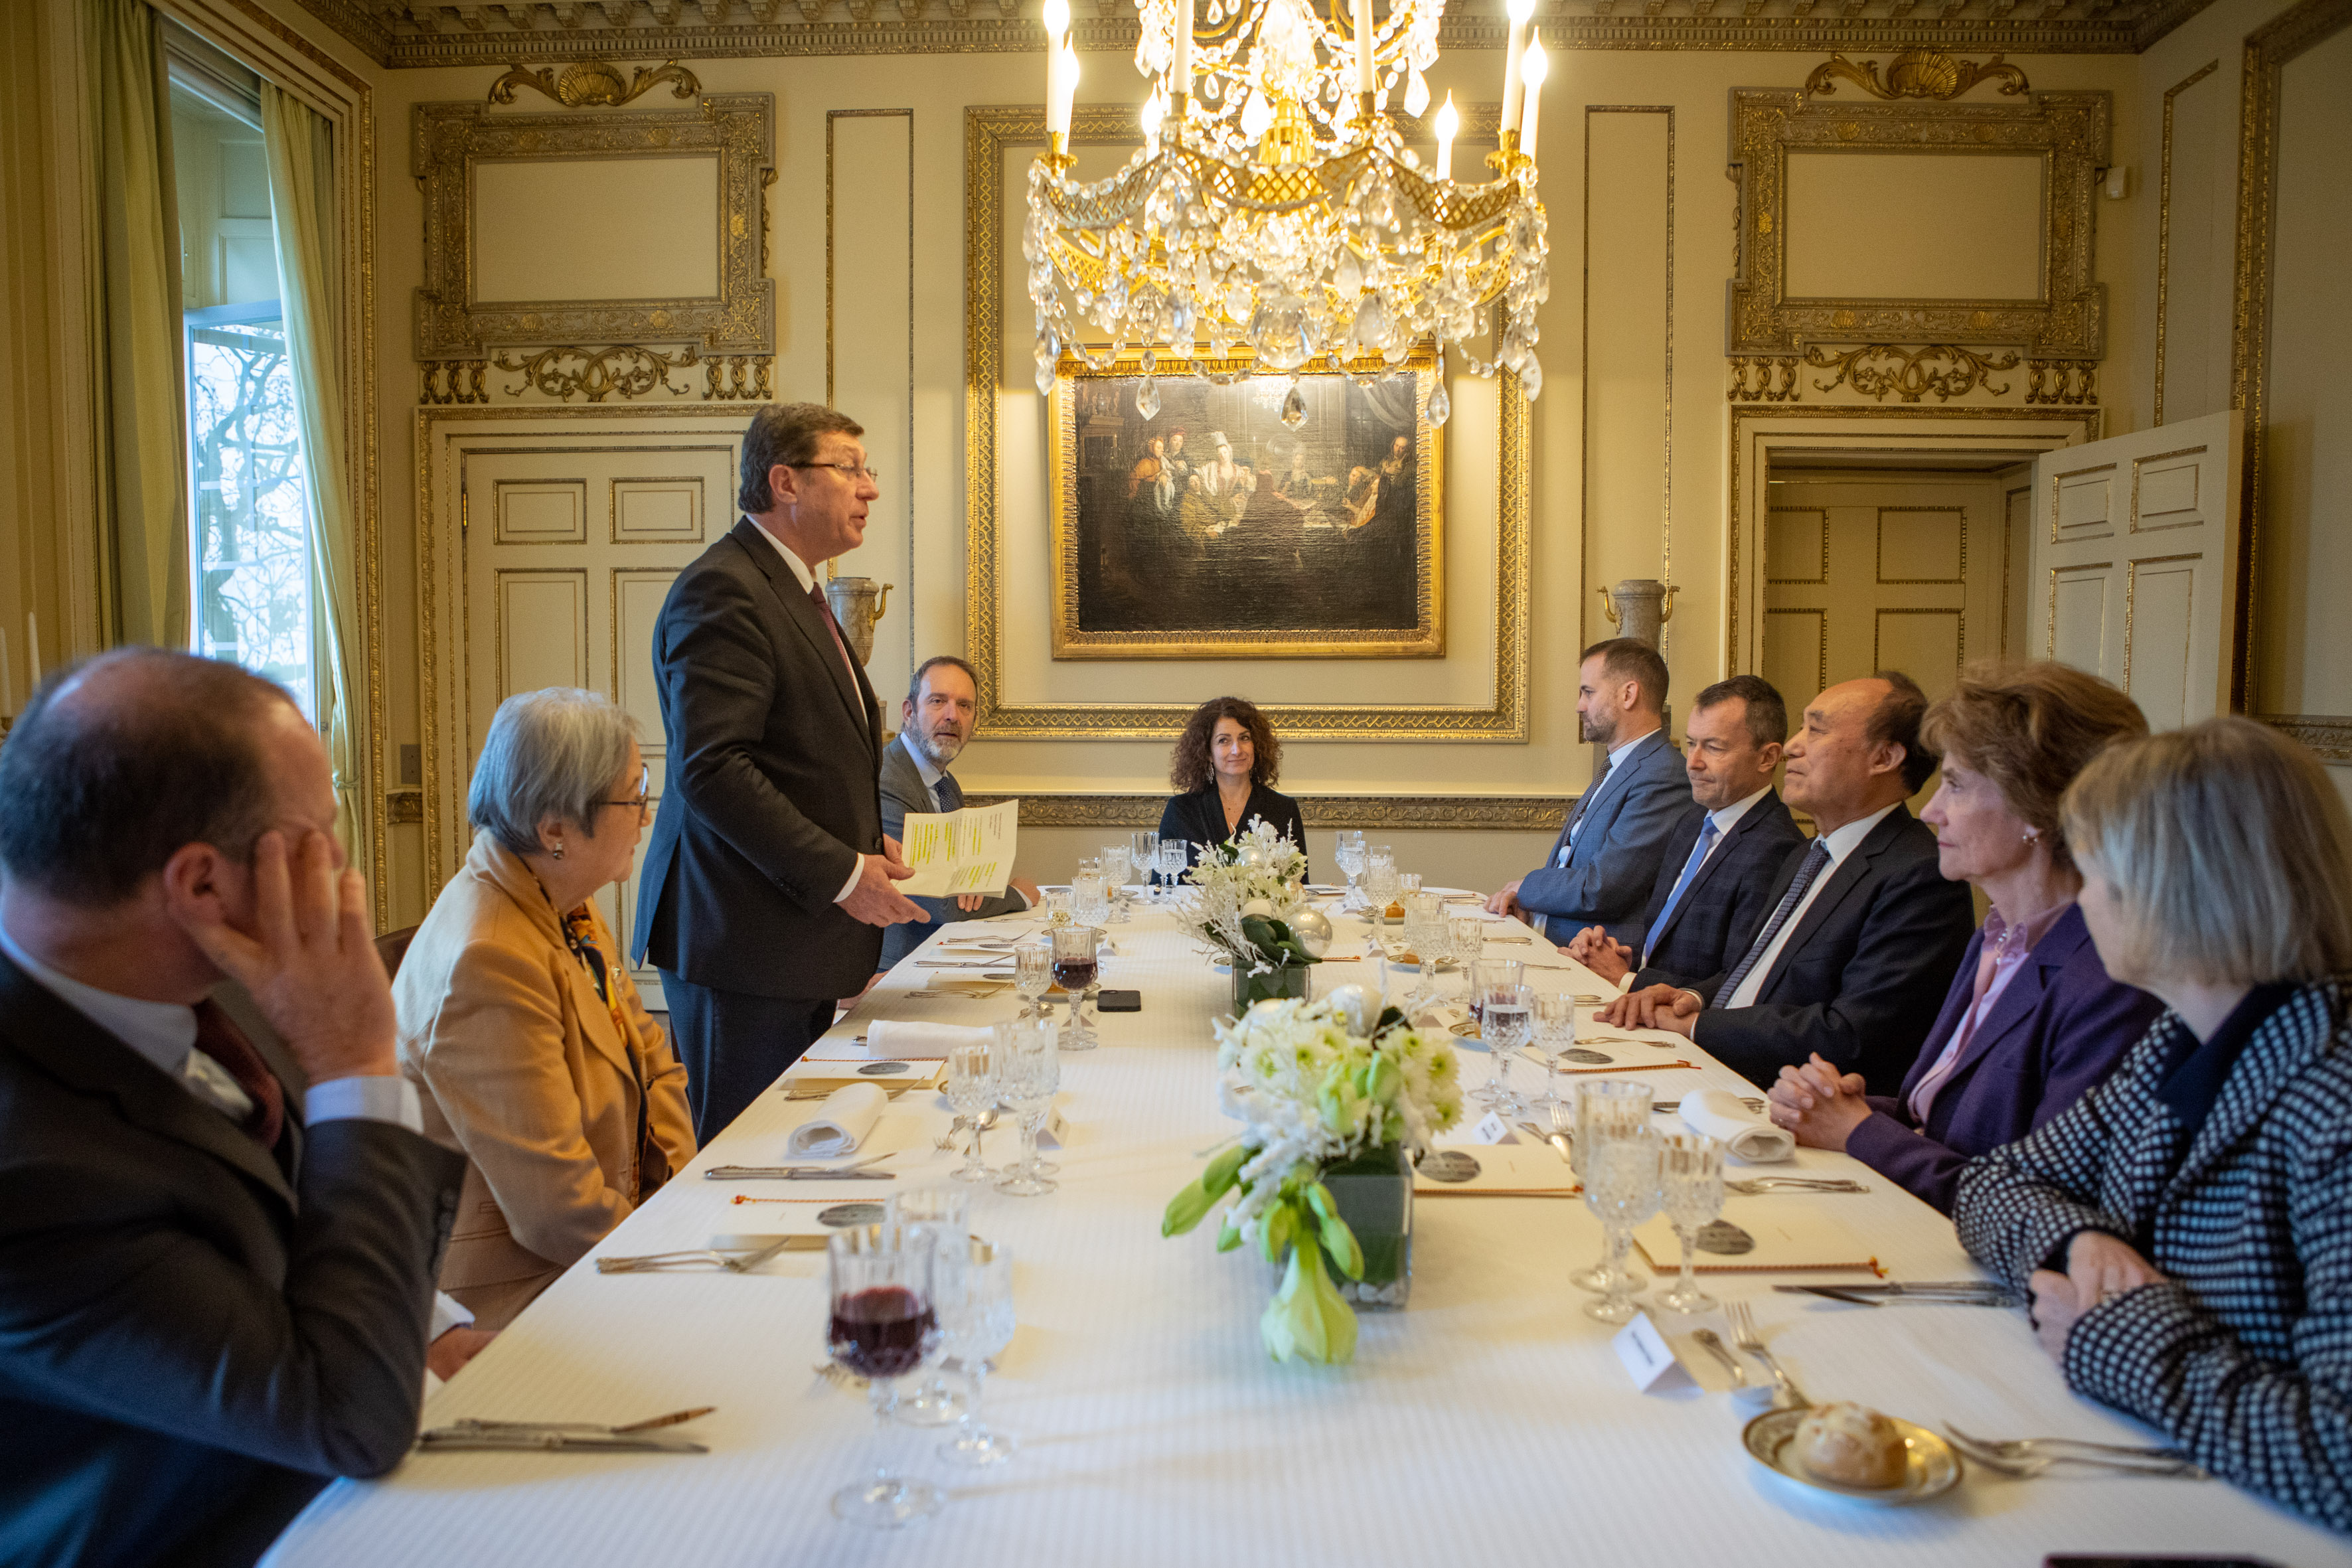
(956, 852)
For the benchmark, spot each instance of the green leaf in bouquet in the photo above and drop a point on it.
(1228, 1235)
(1193, 1204)
(1277, 1231)
(1338, 1238)
(1307, 1319)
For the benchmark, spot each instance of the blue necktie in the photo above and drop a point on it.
(1707, 837)
(1815, 859)
(951, 793)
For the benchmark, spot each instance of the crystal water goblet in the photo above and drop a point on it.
(1379, 880)
(1605, 1108)
(1555, 1037)
(975, 1307)
(1116, 869)
(1621, 1186)
(1505, 1021)
(1486, 976)
(1408, 884)
(1143, 853)
(1033, 976)
(1175, 860)
(1347, 854)
(1077, 970)
(1690, 1190)
(882, 1325)
(1090, 898)
(945, 1213)
(1057, 906)
(1465, 938)
(973, 1090)
(1031, 1074)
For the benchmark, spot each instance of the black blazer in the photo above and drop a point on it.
(1198, 817)
(770, 790)
(1863, 975)
(1729, 900)
(190, 1343)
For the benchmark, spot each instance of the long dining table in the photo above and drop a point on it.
(1489, 1422)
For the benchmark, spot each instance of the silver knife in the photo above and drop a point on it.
(455, 1440)
(795, 1173)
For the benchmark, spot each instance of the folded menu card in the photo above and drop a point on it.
(1495, 1171)
(1761, 1236)
(840, 1124)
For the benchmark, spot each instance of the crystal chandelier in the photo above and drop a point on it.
(1273, 205)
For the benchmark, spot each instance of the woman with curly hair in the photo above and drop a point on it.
(1224, 768)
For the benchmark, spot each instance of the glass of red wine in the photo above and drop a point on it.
(1078, 971)
(882, 1328)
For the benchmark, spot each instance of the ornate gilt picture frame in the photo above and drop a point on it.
(449, 141)
(2069, 132)
(1213, 529)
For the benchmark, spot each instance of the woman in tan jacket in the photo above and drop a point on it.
(518, 1020)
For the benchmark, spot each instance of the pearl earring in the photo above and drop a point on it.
(558, 850)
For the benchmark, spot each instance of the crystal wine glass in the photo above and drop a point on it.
(1143, 853)
(975, 1305)
(1465, 938)
(1090, 898)
(971, 1087)
(1486, 976)
(1031, 1073)
(1605, 1108)
(1347, 854)
(1425, 935)
(1379, 880)
(1175, 860)
(1057, 906)
(1621, 1185)
(1116, 869)
(1505, 1023)
(1690, 1189)
(1077, 970)
(945, 1213)
(882, 1326)
(1033, 976)
(1555, 1037)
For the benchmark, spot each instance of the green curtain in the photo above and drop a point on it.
(300, 149)
(134, 288)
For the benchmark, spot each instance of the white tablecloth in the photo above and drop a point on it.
(1489, 1423)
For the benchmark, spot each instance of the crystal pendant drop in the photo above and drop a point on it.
(1440, 407)
(1046, 367)
(1294, 407)
(1416, 95)
(1147, 397)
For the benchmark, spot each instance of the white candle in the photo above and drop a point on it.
(1069, 82)
(1180, 75)
(1364, 44)
(1448, 123)
(1534, 70)
(32, 651)
(1521, 11)
(1055, 17)
(7, 686)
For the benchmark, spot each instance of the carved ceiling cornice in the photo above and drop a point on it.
(405, 34)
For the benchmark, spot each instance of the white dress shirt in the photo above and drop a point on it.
(807, 580)
(1841, 843)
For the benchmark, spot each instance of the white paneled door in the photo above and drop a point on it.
(567, 540)
(2135, 570)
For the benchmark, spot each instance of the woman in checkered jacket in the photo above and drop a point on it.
(2186, 1229)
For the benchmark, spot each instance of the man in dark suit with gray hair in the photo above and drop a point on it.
(219, 1223)
(768, 881)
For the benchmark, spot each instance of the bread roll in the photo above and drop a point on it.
(1851, 1445)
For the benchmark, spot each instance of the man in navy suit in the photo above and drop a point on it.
(1606, 857)
(1715, 885)
(1864, 932)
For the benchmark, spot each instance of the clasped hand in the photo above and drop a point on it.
(2099, 1267)
(1818, 1104)
(1655, 1008)
(1595, 949)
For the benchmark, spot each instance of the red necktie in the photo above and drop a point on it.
(219, 1038)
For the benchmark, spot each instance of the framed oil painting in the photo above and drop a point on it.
(1214, 528)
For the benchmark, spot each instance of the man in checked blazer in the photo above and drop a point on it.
(1716, 882)
(1864, 933)
(1601, 866)
(768, 881)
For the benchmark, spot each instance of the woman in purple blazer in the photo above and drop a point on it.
(2033, 1019)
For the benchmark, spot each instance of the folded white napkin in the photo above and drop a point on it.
(894, 1039)
(840, 1124)
(1748, 1137)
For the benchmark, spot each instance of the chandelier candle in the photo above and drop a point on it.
(1521, 11)
(1448, 124)
(1538, 65)
(1179, 74)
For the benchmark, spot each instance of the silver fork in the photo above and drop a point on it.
(2029, 1448)
(1753, 1186)
(840, 1376)
(946, 1142)
(2180, 1469)
(1744, 1335)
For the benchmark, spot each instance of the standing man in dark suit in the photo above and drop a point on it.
(934, 726)
(1716, 881)
(219, 1225)
(767, 881)
(1864, 933)
(1606, 857)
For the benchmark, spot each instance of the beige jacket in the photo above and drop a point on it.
(521, 1068)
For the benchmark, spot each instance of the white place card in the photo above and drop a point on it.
(1493, 1128)
(1648, 1359)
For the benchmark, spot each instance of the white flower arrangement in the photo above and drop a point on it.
(1256, 876)
(1315, 1084)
